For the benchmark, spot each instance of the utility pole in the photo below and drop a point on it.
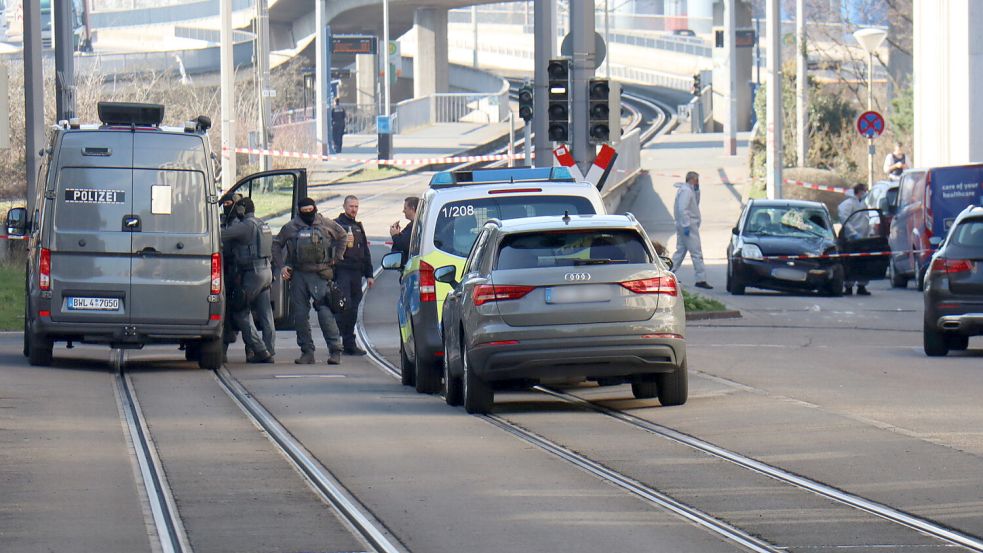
(228, 99)
(64, 60)
(773, 68)
(33, 97)
(474, 34)
(385, 139)
(730, 51)
(545, 33)
(607, 40)
(801, 86)
(322, 75)
(583, 67)
(264, 92)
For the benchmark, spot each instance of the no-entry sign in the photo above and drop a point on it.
(870, 124)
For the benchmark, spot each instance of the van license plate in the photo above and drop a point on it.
(93, 304)
(578, 293)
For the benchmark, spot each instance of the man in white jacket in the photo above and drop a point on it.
(854, 229)
(687, 214)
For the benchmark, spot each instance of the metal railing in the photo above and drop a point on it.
(359, 119)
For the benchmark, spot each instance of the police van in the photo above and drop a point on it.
(124, 239)
(449, 217)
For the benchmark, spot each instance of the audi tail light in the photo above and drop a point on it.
(216, 273)
(44, 270)
(944, 266)
(428, 284)
(658, 285)
(485, 293)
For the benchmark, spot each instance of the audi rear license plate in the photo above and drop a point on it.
(578, 293)
(93, 304)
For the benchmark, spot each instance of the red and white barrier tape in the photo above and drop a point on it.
(822, 187)
(836, 255)
(399, 162)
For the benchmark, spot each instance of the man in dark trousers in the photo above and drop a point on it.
(247, 243)
(349, 272)
(401, 236)
(337, 125)
(305, 252)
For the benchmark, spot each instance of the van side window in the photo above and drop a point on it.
(170, 201)
(907, 188)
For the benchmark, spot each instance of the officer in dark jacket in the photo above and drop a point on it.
(249, 243)
(401, 236)
(230, 209)
(305, 253)
(337, 125)
(348, 274)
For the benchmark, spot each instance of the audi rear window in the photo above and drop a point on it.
(571, 248)
(458, 223)
(969, 235)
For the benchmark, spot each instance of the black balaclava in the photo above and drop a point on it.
(307, 217)
(246, 206)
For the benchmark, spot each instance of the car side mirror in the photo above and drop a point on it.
(393, 261)
(446, 274)
(735, 231)
(17, 222)
(667, 261)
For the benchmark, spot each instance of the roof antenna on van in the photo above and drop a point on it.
(566, 216)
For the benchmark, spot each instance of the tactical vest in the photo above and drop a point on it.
(259, 248)
(312, 249)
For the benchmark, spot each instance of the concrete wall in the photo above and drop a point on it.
(948, 80)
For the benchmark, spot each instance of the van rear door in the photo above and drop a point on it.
(953, 189)
(177, 235)
(90, 240)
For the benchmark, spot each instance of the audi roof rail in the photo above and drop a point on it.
(449, 179)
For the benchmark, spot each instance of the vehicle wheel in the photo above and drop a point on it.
(427, 375)
(957, 342)
(27, 343)
(735, 285)
(478, 395)
(934, 342)
(407, 372)
(210, 354)
(673, 388)
(897, 281)
(40, 350)
(919, 277)
(644, 390)
(192, 350)
(835, 286)
(453, 387)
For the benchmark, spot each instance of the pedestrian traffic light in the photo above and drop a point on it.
(697, 86)
(558, 75)
(603, 111)
(526, 100)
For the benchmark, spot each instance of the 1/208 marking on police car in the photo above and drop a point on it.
(94, 196)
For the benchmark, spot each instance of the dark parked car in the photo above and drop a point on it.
(784, 244)
(954, 287)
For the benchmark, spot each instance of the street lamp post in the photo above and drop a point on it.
(384, 139)
(871, 40)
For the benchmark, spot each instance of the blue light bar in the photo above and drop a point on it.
(498, 176)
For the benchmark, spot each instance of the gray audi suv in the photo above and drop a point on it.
(560, 298)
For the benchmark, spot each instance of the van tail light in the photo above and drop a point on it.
(485, 293)
(44, 270)
(216, 273)
(658, 285)
(944, 266)
(428, 284)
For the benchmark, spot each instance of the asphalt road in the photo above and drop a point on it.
(833, 389)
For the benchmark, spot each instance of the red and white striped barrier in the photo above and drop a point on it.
(398, 162)
(836, 255)
(822, 187)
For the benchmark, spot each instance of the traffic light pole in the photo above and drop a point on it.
(545, 12)
(33, 97)
(583, 66)
(64, 61)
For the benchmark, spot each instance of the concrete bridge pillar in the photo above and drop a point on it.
(948, 80)
(365, 78)
(430, 67)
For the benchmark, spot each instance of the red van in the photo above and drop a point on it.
(928, 202)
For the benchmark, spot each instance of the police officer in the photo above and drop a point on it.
(248, 242)
(229, 269)
(305, 252)
(357, 264)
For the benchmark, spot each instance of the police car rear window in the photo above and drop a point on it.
(458, 222)
(571, 249)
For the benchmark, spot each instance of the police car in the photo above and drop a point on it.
(449, 217)
(123, 240)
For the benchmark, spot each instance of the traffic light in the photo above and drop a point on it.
(558, 75)
(526, 98)
(603, 111)
(697, 87)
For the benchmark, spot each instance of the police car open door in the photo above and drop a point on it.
(864, 232)
(275, 195)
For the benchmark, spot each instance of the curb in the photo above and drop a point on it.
(712, 315)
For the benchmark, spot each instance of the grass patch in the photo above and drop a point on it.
(696, 302)
(372, 173)
(11, 296)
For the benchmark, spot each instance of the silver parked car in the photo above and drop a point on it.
(544, 298)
